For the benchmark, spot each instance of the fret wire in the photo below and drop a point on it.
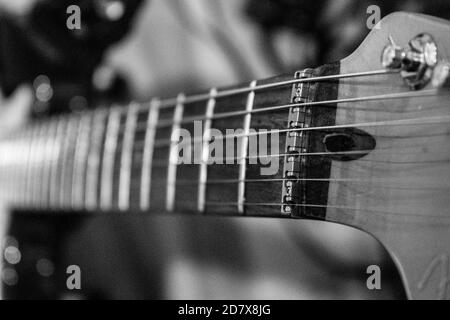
(21, 186)
(65, 194)
(56, 165)
(45, 133)
(11, 175)
(94, 158)
(80, 161)
(52, 125)
(39, 129)
(244, 148)
(15, 172)
(12, 171)
(10, 178)
(127, 157)
(45, 183)
(23, 148)
(107, 175)
(60, 161)
(203, 175)
(173, 156)
(29, 180)
(39, 155)
(147, 159)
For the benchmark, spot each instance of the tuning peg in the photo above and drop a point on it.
(393, 55)
(415, 62)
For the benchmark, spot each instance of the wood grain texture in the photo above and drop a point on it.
(400, 192)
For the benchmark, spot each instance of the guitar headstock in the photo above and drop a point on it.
(415, 45)
(399, 192)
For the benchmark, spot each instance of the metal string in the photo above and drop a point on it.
(171, 102)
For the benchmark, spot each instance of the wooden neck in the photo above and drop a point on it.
(127, 158)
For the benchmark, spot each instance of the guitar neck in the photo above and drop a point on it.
(230, 151)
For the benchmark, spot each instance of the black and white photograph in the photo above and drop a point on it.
(225, 155)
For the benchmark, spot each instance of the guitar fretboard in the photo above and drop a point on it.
(133, 159)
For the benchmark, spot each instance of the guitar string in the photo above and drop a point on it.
(226, 93)
(412, 121)
(166, 103)
(326, 207)
(171, 102)
(233, 160)
(277, 214)
(165, 123)
(424, 93)
(378, 182)
(140, 128)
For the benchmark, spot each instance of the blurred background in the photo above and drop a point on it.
(138, 49)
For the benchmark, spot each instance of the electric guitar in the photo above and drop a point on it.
(363, 142)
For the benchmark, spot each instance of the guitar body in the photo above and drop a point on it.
(399, 192)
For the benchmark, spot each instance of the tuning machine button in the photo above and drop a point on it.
(415, 63)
